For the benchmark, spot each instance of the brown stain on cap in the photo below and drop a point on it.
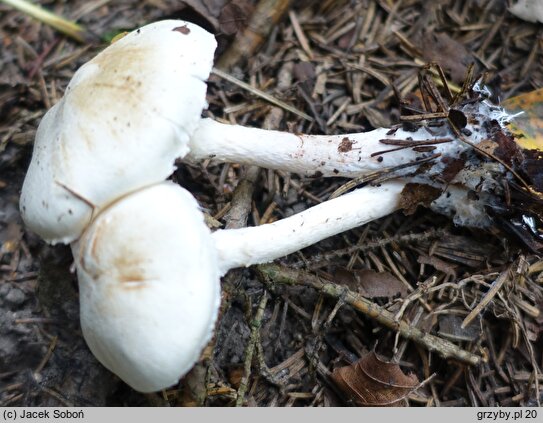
(182, 29)
(130, 266)
(130, 271)
(114, 85)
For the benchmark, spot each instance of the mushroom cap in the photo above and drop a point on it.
(125, 117)
(528, 10)
(149, 286)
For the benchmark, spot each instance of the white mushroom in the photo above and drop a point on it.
(125, 117)
(352, 155)
(148, 267)
(528, 10)
(261, 244)
(132, 110)
(149, 273)
(149, 286)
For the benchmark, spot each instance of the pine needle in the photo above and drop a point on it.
(71, 29)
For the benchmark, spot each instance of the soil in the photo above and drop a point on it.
(335, 61)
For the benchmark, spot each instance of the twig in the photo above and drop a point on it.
(60, 398)
(73, 30)
(496, 286)
(250, 349)
(300, 34)
(266, 16)
(259, 93)
(446, 349)
(319, 260)
(264, 369)
(242, 198)
(47, 356)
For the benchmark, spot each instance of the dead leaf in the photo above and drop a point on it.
(234, 16)
(450, 326)
(207, 9)
(508, 149)
(235, 375)
(370, 284)
(305, 74)
(371, 382)
(452, 167)
(488, 146)
(467, 251)
(532, 167)
(414, 195)
(438, 264)
(528, 124)
(451, 55)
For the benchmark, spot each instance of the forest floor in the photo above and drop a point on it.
(336, 63)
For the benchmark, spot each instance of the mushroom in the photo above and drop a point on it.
(347, 155)
(528, 10)
(133, 109)
(149, 273)
(262, 244)
(125, 117)
(149, 296)
(148, 267)
(149, 286)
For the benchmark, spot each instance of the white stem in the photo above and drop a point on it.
(312, 155)
(262, 244)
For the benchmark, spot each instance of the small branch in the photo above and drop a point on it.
(323, 259)
(242, 198)
(47, 356)
(259, 93)
(250, 350)
(496, 286)
(266, 16)
(444, 348)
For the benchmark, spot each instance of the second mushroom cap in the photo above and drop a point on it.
(149, 286)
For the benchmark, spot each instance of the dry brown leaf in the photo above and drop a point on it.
(235, 375)
(450, 326)
(305, 74)
(452, 167)
(438, 264)
(234, 16)
(227, 16)
(370, 284)
(414, 195)
(451, 55)
(371, 382)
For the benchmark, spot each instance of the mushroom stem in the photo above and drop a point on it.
(346, 155)
(262, 244)
(149, 297)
